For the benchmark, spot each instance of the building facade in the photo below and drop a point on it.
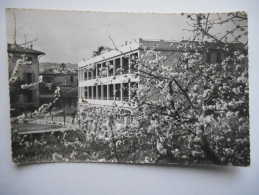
(28, 73)
(107, 79)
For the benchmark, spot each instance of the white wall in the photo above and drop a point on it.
(74, 178)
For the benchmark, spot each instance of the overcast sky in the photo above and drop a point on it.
(70, 36)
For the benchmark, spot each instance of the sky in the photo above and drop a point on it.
(71, 36)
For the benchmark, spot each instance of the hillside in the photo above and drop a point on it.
(47, 65)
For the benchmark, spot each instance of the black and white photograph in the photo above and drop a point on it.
(135, 88)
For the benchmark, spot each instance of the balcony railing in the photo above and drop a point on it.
(125, 98)
(110, 74)
(110, 98)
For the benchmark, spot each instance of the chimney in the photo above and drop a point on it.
(31, 46)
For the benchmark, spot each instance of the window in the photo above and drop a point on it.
(117, 65)
(71, 79)
(29, 61)
(98, 70)
(94, 92)
(208, 57)
(27, 77)
(111, 68)
(133, 63)
(118, 92)
(85, 92)
(89, 75)
(99, 92)
(48, 79)
(125, 90)
(125, 65)
(105, 92)
(94, 73)
(111, 92)
(85, 74)
(90, 93)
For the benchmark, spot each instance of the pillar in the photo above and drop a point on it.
(114, 94)
(121, 91)
(129, 62)
(114, 67)
(101, 92)
(129, 90)
(108, 92)
(97, 92)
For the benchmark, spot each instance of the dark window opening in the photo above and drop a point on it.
(110, 68)
(105, 92)
(29, 60)
(89, 75)
(94, 73)
(85, 92)
(71, 79)
(90, 92)
(48, 79)
(125, 88)
(85, 73)
(125, 65)
(103, 73)
(94, 92)
(118, 91)
(28, 78)
(111, 95)
(117, 66)
(99, 92)
(98, 69)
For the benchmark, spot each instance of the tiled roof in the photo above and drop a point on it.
(58, 72)
(11, 48)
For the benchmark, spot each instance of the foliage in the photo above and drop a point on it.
(202, 110)
(99, 50)
(185, 109)
(15, 90)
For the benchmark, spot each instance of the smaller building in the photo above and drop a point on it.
(67, 80)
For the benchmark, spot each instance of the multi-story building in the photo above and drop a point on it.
(27, 74)
(99, 86)
(107, 78)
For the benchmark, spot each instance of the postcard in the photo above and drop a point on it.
(140, 88)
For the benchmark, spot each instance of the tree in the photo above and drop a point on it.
(202, 112)
(63, 67)
(100, 49)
